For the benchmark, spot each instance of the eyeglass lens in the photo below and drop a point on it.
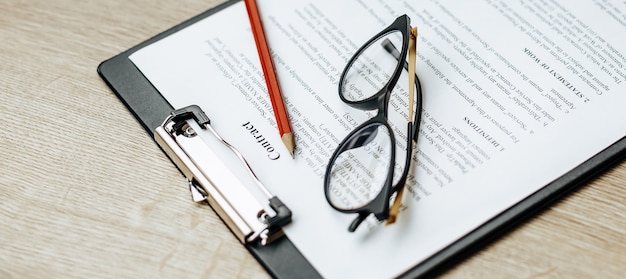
(371, 69)
(360, 170)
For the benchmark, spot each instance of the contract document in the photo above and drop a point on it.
(515, 94)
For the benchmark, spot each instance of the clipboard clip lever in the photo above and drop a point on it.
(212, 182)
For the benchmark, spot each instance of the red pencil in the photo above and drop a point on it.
(271, 80)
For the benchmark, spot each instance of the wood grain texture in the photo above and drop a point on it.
(85, 193)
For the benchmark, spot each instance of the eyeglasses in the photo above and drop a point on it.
(365, 171)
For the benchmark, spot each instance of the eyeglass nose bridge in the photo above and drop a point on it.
(379, 102)
(365, 135)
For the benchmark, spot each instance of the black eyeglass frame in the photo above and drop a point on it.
(379, 206)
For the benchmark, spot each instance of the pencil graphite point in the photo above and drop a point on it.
(289, 142)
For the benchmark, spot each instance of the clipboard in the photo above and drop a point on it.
(281, 258)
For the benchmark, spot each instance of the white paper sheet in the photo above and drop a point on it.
(515, 95)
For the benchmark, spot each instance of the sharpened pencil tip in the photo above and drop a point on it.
(289, 142)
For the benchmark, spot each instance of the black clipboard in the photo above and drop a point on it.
(281, 258)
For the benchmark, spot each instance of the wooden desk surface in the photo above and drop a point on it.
(85, 192)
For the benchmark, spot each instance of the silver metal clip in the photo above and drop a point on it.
(224, 192)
